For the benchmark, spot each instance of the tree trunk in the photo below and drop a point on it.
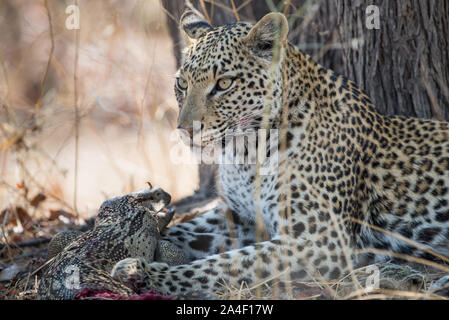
(403, 66)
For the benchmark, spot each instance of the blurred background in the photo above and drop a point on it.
(126, 106)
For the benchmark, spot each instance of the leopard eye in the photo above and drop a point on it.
(182, 84)
(224, 84)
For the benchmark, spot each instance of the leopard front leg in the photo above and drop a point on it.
(281, 258)
(218, 230)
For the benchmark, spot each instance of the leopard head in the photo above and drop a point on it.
(230, 75)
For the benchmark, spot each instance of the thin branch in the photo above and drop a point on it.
(38, 104)
(77, 118)
(31, 243)
(401, 238)
(206, 14)
(220, 5)
(244, 4)
(234, 10)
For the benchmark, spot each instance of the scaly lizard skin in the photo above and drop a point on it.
(126, 227)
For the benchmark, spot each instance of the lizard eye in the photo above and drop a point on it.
(224, 84)
(182, 84)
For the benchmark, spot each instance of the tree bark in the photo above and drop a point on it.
(403, 66)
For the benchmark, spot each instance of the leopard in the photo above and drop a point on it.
(351, 186)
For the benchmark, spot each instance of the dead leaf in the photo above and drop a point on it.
(38, 199)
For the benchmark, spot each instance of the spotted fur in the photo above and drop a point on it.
(349, 179)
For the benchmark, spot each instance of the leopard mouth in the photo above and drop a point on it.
(201, 138)
(218, 136)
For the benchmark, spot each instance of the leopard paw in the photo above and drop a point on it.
(130, 272)
(136, 273)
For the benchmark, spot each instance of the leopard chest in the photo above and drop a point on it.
(238, 188)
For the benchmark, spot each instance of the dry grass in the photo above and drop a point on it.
(84, 121)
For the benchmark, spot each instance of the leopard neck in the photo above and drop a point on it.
(323, 102)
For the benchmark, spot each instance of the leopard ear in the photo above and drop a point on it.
(193, 26)
(267, 36)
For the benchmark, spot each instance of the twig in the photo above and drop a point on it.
(206, 14)
(6, 245)
(234, 9)
(31, 243)
(7, 102)
(402, 238)
(385, 293)
(220, 5)
(39, 185)
(77, 119)
(406, 257)
(244, 5)
(38, 104)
